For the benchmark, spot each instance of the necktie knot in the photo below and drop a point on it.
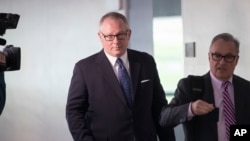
(225, 84)
(120, 63)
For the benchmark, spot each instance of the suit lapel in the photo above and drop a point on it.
(208, 89)
(134, 71)
(107, 72)
(238, 100)
(209, 97)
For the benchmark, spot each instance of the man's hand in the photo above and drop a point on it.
(200, 107)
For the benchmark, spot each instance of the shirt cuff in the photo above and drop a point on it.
(190, 114)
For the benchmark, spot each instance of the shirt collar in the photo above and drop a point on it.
(113, 59)
(217, 82)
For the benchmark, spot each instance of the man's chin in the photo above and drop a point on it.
(222, 76)
(118, 53)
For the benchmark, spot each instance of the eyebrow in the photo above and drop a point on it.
(120, 32)
(230, 53)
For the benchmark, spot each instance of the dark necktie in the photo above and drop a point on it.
(229, 112)
(124, 81)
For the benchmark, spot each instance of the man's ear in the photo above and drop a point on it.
(237, 58)
(129, 33)
(99, 35)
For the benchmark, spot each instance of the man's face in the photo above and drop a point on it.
(118, 44)
(223, 58)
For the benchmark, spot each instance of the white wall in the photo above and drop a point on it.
(204, 19)
(140, 14)
(53, 35)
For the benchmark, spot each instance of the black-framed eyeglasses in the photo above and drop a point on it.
(120, 36)
(227, 58)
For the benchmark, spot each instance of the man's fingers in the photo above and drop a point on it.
(201, 107)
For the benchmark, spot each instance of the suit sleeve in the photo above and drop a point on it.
(77, 105)
(159, 100)
(176, 112)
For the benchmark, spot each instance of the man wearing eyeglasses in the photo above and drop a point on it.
(115, 94)
(209, 104)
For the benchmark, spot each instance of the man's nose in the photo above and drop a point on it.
(115, 39)
(222, 60)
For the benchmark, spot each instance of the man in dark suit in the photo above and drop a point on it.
(201, 109)
(97, 108)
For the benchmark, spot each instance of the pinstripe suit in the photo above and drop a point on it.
(204, 128)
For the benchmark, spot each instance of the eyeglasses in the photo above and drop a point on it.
(120, 36)
(227, 58)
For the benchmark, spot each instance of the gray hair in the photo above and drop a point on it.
(227, 37)
(116, 16)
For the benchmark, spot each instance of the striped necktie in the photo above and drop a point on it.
(124, 81)
(229, 112)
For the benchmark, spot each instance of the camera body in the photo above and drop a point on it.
(10, 57)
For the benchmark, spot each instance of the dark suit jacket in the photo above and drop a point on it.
(96, 107)
(204, 128)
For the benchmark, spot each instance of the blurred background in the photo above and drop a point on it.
(54, 34)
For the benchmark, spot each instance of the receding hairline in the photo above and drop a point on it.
(114, 16)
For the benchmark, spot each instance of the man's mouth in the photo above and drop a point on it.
(221, 69)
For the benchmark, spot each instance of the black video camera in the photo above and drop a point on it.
(10, 57)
